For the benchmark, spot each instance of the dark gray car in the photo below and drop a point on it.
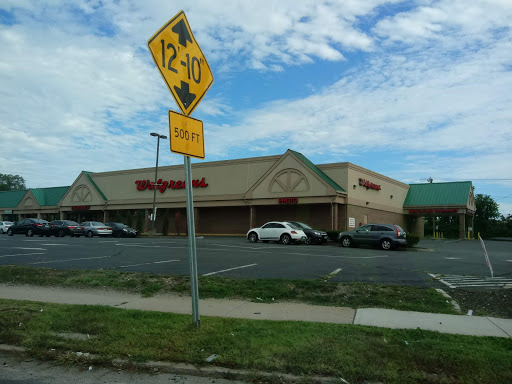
(386, 236)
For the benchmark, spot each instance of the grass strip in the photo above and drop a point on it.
(356, 353)
(316, 292)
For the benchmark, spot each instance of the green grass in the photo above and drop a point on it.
(356, 353)
(317, 292)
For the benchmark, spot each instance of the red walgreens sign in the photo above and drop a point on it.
(368, 184)
(163, 185)
(441, 210)
(288, 200)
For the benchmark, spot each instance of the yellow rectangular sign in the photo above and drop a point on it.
(186, 135)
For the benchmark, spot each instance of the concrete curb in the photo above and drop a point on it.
(189, 369)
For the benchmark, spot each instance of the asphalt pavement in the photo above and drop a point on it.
(235, 257)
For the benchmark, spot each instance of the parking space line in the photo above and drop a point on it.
(154, 262)
(31, 249)
(138, 245)
(242, 247)
(65, 260)
(333, 256)
(57, 244)
(230, 269)
(23, 254)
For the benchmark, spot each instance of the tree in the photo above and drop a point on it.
(12, 183)
(487, 211)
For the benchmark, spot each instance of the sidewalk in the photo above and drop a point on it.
(386, 318)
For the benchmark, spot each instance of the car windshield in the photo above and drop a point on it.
(97, 224)
(120, 225)
(294, 225)
(67, 222)
(303, 226)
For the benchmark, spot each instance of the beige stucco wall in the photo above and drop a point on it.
(227, 180)
(290, 178)
(390, 197)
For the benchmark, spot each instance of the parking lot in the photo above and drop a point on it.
(236, 257)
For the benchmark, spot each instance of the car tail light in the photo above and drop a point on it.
(109, 228)
(294, 232)
(38, 225)
(71, 226)
(397, 231)
(101, 229)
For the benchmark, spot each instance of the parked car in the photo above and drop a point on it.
(122, 230)
(95, 228)
(4, 226)
(314, 236)
(61, 228)
(282, 231)
(387, 236)
(30, 227)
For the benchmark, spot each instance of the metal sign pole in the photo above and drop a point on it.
(192, 243)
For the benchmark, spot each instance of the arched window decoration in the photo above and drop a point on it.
(289, 180)
(82, 194)
(28, 202)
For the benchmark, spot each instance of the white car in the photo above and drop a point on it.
(4, 226)
(95, 228)
(281, 231)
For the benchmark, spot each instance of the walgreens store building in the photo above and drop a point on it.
(232, 196)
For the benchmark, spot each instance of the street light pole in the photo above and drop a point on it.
(156, 178)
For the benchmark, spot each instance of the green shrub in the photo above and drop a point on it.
(333, 235)
(412, 240)
(165, 225)
(140, 221)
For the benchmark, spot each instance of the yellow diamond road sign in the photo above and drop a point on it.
(181, 62)
(186, 135)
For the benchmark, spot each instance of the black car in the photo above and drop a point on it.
(61, 228)
(30, 227)
(122, 230)
(315, 236)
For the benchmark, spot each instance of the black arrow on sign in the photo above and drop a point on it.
(184, 94)
(182, 30)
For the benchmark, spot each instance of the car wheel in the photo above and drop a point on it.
(89, 234)
(61, 233)
(253, 237)
(286, 239)
(386, 244)
(308, 240)
(2, 231)
(346, 242)
(30, 233)
(9, 232)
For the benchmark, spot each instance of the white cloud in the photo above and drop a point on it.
(80, 91)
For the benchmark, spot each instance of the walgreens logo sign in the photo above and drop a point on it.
(163, 185)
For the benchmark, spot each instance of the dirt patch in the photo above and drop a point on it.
(488, 302)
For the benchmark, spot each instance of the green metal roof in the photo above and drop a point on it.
(456, 193)
(10, 199)
(317, 170)
(49, 196)
(94, 184)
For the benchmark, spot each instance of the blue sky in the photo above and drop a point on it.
(409, 89)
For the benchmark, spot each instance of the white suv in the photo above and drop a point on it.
(282, 231)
